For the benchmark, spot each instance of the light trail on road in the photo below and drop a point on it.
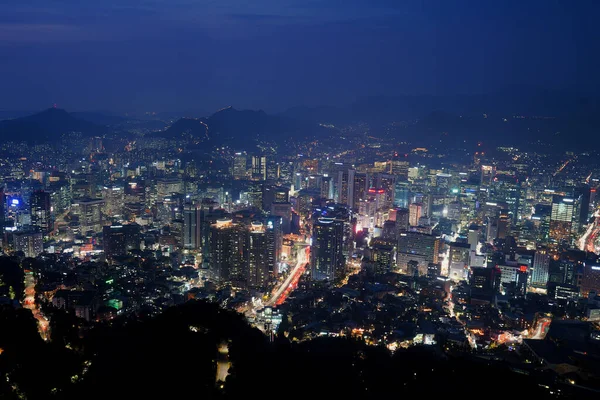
(30, 304)
(290, 283)
(587, 242)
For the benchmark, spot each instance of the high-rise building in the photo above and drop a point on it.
(273, 170)
(259, 168)
(91, 217)
(382, 255)
(484, 280)
(2, 211)
(503, 224)
(119, 239)
(401, 194)
(460, 253)
(419, 247)
(389, 230)
(344, 186)
(114, 197)
(327, 259)
(400, 169)
(167, 186)
(593, 197)
(41, 213)
(514, 276)
(434, 270)
(507, 189)
(257, 260)
(29, 242)
(341, 182)
(564, 218)
(227, 251)
(590, 281)
(402, 219)
(192, 226)
(240, 166)
(583, 194)
(358, 189)
(283, 210)
(274, 242)
(415, 213)
(274, 194)
(541, 265)
(541, 220)
(386, 182)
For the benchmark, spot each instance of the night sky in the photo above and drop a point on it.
(171, 55)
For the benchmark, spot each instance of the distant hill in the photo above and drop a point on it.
(241, 128)
(518, 116)
(187, 128)
(529, 132)
(516, 100)
(46, 125)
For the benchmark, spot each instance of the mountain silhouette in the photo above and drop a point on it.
(240, 128)
(46, 126)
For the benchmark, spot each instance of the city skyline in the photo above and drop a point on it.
(314, 199)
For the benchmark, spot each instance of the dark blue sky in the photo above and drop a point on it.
(167, 55)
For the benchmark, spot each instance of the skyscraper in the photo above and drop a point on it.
(259, 168)
(541, 265)
(327, 258)
(192, 225)
(226, 251)
(344, 185)
(2, 211)
(257, 269)
(591, 278)
(274, 242)
(41, 216)
(401, 194)
(415, 212)
(358, 189)
(564, 218)
(386, 182)
(240, 166)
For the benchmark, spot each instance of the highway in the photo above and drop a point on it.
(587, 242)
(279, 295)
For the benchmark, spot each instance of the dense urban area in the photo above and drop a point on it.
(224, 264)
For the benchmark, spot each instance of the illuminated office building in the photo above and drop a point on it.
(327, 258)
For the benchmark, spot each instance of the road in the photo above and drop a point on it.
(541, 328)
(223, 363)
(30, 304)
(291, 281)
(587, 242)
